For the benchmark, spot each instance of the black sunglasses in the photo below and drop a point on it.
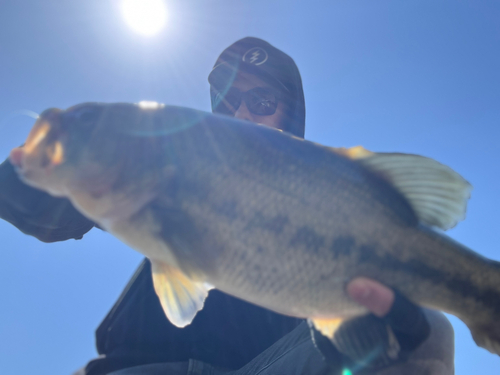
(259, 100)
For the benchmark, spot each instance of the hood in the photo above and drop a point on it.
(258, 57)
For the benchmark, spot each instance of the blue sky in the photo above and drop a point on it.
(411, 76)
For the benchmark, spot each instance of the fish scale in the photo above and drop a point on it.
(324, 257)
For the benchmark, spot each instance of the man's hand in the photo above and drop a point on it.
(375, 296)
(393, 330)
(35, 212)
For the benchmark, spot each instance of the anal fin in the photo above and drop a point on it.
(487, 336)
(180, 297)
(327, 326)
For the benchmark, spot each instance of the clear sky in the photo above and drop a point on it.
(412, 76)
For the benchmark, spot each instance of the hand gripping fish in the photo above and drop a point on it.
(272, 219)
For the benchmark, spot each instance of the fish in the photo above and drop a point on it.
(278, 221)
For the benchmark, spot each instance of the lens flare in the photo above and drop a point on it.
(150, 105)
(146, 17)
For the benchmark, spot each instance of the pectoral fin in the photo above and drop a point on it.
(327, 327)
(180, 297)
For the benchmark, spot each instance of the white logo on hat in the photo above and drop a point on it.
(255, 56)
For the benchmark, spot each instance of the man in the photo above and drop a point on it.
(251, 81)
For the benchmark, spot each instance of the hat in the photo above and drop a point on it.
(258, 57)
(254, 56)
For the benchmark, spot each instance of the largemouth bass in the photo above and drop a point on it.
(275, 220)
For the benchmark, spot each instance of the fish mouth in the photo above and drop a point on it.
(42, 152)
(16, 158)
(20, 156)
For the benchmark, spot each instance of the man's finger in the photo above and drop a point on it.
(371, 294)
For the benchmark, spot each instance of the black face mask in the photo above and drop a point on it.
(260, 101)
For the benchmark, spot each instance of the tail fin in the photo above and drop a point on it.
(487, 336)
(486, 332)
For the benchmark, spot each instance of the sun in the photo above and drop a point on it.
(146, 17)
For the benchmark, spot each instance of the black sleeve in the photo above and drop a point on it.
(35, 212)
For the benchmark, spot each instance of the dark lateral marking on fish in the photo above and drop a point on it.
(307, 237)
(488, 297)
(342, 246)
(275, 224)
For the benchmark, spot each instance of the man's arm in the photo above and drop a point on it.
(398, 337)
(35, 212)
(436, 355)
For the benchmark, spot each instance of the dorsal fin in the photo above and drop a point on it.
(437, 194)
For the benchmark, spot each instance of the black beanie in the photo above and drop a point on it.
(256, 56)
